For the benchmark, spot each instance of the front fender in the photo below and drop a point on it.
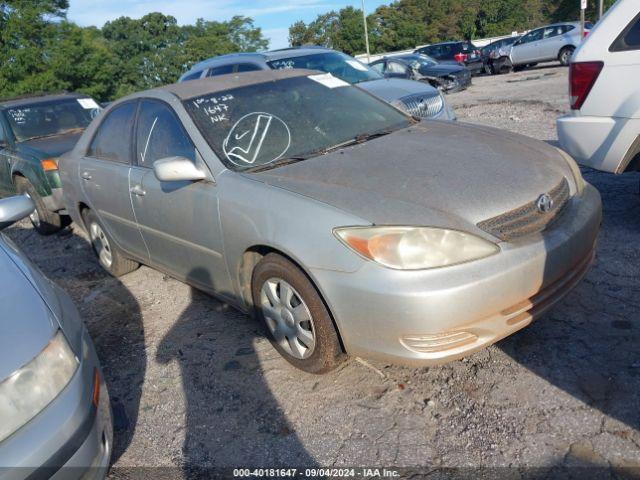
(32, 171)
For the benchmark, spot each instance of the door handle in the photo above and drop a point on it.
(138, 190)
(85, 176)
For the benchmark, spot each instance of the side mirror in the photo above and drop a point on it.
(15, 208)
(177, 169)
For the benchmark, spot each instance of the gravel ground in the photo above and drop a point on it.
(195, 384)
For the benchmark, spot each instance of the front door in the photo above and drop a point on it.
(104, 176)
(527, 48)
(178, 220)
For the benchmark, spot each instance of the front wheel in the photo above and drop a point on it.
(565, 56)
(43, 220)
(298, 323)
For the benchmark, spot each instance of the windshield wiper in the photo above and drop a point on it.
(360, 138)
(63, 132)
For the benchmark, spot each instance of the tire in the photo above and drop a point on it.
(110, 257)
(505, 67)
(44, 221)
(298, 325)
(565, 56)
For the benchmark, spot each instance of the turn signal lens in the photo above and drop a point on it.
(49, 164)
(415, 248)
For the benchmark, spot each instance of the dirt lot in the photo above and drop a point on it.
(195, 384)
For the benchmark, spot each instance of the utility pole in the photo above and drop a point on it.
(366, 33)
(583, 7)
(601, 9)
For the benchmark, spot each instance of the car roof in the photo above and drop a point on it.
(221, 83)
(33, 99)
(450, 42)
(261, 56)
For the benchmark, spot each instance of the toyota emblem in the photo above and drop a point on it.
(544, 203)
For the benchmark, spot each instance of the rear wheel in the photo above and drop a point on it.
(565, 55)
(44, 221)
(296, 319)
(109, 255)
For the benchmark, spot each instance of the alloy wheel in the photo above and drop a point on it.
(288, 318)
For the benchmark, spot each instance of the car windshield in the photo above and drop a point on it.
(278, 122)
(338, 64)
(47, 119)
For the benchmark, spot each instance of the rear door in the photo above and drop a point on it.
(104, 177)
(178, 220)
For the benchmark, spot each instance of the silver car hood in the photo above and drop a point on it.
(27, 323)
(434, 173)
(390, 89)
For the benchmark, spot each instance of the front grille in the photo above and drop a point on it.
(424, 106)
(527, 219)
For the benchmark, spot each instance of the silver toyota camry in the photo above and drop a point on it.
(348, 227)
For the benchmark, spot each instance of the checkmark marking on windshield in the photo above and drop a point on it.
(238, 137)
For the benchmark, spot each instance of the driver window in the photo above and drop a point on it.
(395, 67)
(378, 67)
(160, 135)
(532, 36)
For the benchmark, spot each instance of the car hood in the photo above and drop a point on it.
(50, 146)
(390, 89)
(27, 323)
(441, 69)
(434, 173)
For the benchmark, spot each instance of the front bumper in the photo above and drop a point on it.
(603, 143)
(434, 316)
(70, 438)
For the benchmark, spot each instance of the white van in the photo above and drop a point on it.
(603, 128)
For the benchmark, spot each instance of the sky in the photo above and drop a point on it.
(273, 16)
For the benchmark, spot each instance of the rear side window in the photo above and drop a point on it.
(3, 137)
(160, 135)
(223, 70)
(192, 76)
(112, 141)
(248, 67)
(629, 39)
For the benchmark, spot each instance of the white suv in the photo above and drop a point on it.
(603, 128)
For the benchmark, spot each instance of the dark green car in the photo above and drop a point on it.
(34, 132)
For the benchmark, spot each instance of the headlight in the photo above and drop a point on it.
(575, 170)
(415, 248)
(32, 387)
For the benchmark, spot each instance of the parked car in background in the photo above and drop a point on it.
(34, 132)
(327, 212)
(546, 44)
(416, 98)
(465, 53)
(446, 77)
(495, 56)
(602, 130)
(54, 405)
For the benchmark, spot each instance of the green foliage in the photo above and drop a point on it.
(405, 24)
(42, 52)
